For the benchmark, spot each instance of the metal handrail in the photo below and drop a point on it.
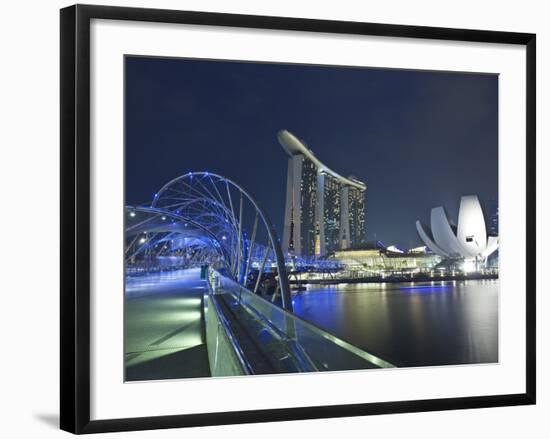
(247, 368)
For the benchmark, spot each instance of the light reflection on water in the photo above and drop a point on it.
(410, 324)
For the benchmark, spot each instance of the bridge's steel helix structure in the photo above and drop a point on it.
(204, 218)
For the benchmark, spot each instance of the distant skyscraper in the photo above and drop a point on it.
(491, 215)
(324, 211)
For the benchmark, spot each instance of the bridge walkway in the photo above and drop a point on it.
(164, 326)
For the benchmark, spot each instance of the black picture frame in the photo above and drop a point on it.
(75, 217)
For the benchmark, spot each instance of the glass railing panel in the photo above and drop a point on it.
(312, 345)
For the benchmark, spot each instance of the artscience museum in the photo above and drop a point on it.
(467, 240)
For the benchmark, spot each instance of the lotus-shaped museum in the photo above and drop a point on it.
(468, 239)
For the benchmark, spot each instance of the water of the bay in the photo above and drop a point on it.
(410, 324)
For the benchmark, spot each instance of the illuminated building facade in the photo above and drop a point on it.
(376, 259)
(492, 217)
(324, 211)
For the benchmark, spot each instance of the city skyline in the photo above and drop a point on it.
(418, 139)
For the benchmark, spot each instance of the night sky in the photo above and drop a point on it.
(417, 139)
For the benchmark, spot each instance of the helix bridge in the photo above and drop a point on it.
(207, 224)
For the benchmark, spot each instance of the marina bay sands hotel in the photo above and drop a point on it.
(324, 211)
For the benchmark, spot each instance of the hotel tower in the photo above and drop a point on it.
(324, 211)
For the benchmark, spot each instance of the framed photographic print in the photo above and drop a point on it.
(267, 218)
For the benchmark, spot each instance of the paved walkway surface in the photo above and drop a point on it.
(164, 328)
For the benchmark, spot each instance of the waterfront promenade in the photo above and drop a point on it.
(329, 279)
